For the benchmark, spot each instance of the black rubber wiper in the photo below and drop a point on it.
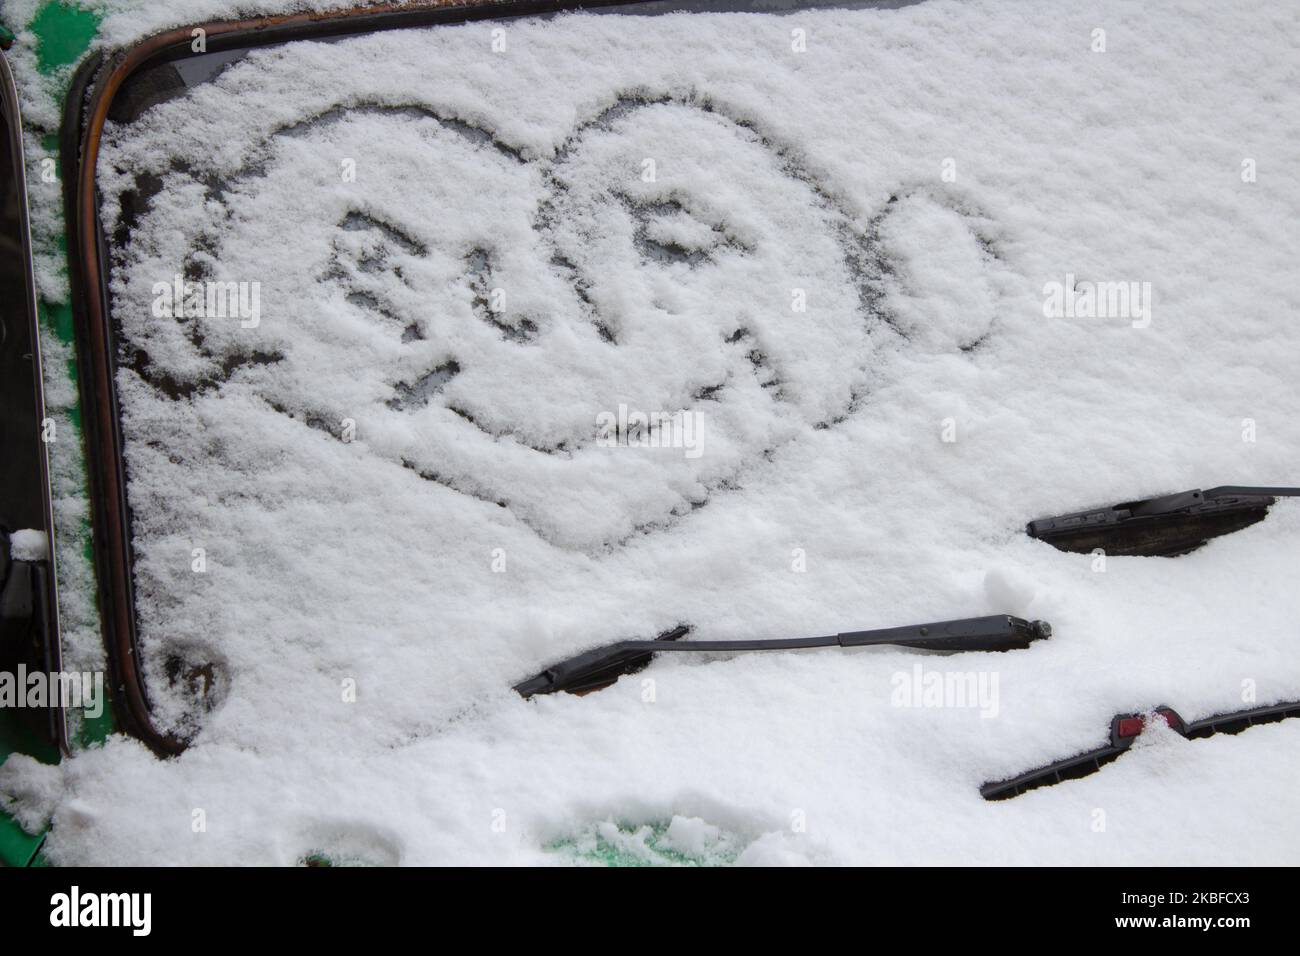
(1124, 729)
(602, 666)
(1166, 526)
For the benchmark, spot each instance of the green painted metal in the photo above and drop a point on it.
(63, 32)
(17, 846)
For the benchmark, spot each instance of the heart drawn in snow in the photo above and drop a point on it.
(598, 340)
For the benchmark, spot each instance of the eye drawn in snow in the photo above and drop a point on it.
(475, 310)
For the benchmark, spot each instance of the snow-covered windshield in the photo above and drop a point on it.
(447, 353)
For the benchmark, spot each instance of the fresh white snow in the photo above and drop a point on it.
(29, 544)
(383, 499)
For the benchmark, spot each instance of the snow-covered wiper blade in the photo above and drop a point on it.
(602, 666)
(1166, 526)
(1124, 729)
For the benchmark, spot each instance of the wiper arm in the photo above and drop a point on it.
(1124, 730)
(602, 666)
(1165, 526)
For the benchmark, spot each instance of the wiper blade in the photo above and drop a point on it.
(1124, 729)
(1165, 526)
(602, 666)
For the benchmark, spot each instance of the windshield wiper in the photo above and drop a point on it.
(602, 666)
(1124, 729)
(1166, 526)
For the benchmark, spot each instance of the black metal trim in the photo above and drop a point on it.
(24, 451)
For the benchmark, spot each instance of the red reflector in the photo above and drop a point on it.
(1130, 726)
(1170, 717)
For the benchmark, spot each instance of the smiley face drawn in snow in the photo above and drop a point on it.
(476, 313)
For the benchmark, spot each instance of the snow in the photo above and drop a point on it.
(28, 544)
(389, 484)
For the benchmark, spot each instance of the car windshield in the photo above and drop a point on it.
(498, 305)
(444, 356)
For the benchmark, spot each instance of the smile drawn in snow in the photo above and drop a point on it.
(666, 257)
